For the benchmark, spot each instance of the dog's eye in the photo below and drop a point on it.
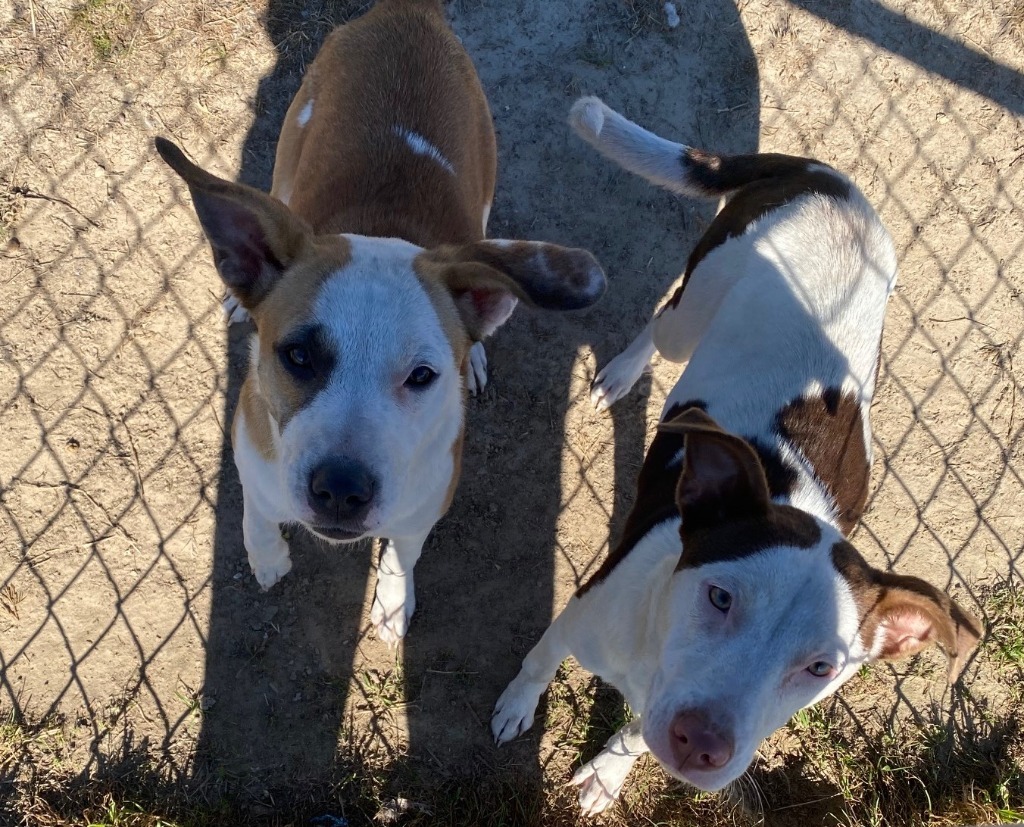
(820, 669)
(299, 356)
(298, 361)
(720, 598)
(421, 377)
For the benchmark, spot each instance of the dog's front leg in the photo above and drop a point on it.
(394, 600)
(601, 779)
(266, 548)
(617, 378)
(514, 711)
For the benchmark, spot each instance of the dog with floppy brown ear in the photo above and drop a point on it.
(734, 598)
(371, 287)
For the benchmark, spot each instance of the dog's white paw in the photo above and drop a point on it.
(617, 378)
(233, 309)
(600, 781)
(393, 607)
(476, 379)
(271, 567)
(514, 711)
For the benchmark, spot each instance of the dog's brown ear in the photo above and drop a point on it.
(722, 477)
(901, 615)
(486, 278)
(254, 237)
(912, 614)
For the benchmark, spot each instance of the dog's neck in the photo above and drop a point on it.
(410, 225)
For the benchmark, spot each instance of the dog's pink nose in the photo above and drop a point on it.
(695, 745)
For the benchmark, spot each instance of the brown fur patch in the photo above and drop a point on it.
(286, 308)
(478, 274)
(453, 483)
(780, 525)
(829, 431)
(444, 306)
(543, 275)
(882, 596)
(257, 419)
(400, 66)
(764, 183)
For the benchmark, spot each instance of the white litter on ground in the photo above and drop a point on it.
(671, 15)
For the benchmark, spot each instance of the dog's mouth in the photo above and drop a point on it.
(337, 535)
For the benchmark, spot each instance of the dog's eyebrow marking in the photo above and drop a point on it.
(421, 146)
(305, 113)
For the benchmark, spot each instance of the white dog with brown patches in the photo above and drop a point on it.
(370, 285)
(734, 598)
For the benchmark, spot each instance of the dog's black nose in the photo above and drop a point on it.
(341, 490)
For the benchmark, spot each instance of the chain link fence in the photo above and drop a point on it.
(129, 623)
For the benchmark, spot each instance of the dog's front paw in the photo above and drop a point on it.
(476, 378)
(392, 609)
(617, 379)
(514, 711)
(271, 568)
(233, 309)
(600, 781)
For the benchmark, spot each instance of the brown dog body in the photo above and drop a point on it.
(371, 288)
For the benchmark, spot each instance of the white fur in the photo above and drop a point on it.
(671, 15)
(421, 146)
(233, 310)
(305, 114)
(381, 324)
(476, 378)
(262, 514)
(793, 305)
(617, 377)
(631, 146)
(600, 780)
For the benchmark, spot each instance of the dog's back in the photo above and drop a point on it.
(786, 304)
(390, 134)
(796, 263)
(780, 309)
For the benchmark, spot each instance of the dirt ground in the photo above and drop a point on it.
(127, 609)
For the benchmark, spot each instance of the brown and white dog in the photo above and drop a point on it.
(370, 285)
(734, 598)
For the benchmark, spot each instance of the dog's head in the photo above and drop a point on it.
(771, 611)
(361, 347)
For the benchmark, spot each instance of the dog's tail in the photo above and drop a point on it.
(677, 167)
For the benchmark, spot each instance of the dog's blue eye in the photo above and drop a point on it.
(820, 669)
(720, 598)
(299, 356)
(421, 377)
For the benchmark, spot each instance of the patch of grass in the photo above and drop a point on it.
(1005, 609)
(383, 689)
(647, 15)
(583, 713)
(107, 25)
(119, 814)
(964, 766)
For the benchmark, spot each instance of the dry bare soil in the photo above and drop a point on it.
(143, 671)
